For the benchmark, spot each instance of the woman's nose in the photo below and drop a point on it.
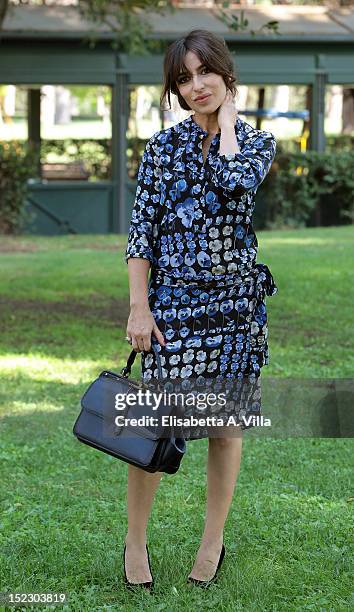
(197, 83)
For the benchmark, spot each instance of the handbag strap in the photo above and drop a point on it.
(126, 371)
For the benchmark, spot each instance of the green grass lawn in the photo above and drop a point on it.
(64, 308)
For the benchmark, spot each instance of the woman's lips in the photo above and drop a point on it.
(203, 99)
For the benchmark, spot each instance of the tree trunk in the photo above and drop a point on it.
(348, 110)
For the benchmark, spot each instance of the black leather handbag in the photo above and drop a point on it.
(151, 448)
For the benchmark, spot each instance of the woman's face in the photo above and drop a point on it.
(198, 81)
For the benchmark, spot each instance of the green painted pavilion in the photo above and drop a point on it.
(43, 45)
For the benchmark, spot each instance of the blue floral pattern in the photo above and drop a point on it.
(193, 221)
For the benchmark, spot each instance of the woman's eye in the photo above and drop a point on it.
(181, 80)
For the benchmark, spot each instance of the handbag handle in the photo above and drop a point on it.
(126, 371)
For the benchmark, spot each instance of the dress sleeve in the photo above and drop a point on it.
(147, 197)
(240, 172)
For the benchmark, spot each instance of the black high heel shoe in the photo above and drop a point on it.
(147, 585)
(205, 583)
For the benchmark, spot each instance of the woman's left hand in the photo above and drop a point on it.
(227, 114)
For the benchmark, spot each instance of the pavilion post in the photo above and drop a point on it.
(34, 121)
(317, 131)
(120, 110)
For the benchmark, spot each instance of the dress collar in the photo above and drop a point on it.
(195, 129)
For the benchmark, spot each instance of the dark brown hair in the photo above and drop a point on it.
(210, 49)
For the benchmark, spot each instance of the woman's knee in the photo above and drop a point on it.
(225, 442)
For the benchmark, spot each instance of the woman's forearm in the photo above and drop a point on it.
(228, 141)
(138, 270)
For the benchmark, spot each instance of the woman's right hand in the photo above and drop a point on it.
(141, 324)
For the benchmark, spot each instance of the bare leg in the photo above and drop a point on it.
(141, 491)
(224, 458)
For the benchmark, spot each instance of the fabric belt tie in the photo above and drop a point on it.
(261, 273)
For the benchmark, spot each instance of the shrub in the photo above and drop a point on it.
(18, 163)
(310, 188)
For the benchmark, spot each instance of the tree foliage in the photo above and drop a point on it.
(128, 19)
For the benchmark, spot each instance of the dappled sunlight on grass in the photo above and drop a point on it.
(337, 237)
(17, 408)
(302, 502)
(45, 369)
(18, 244)
(301, 241)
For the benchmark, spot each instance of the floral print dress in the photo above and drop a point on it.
(193, 221)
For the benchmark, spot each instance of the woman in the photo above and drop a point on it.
(204, 307)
